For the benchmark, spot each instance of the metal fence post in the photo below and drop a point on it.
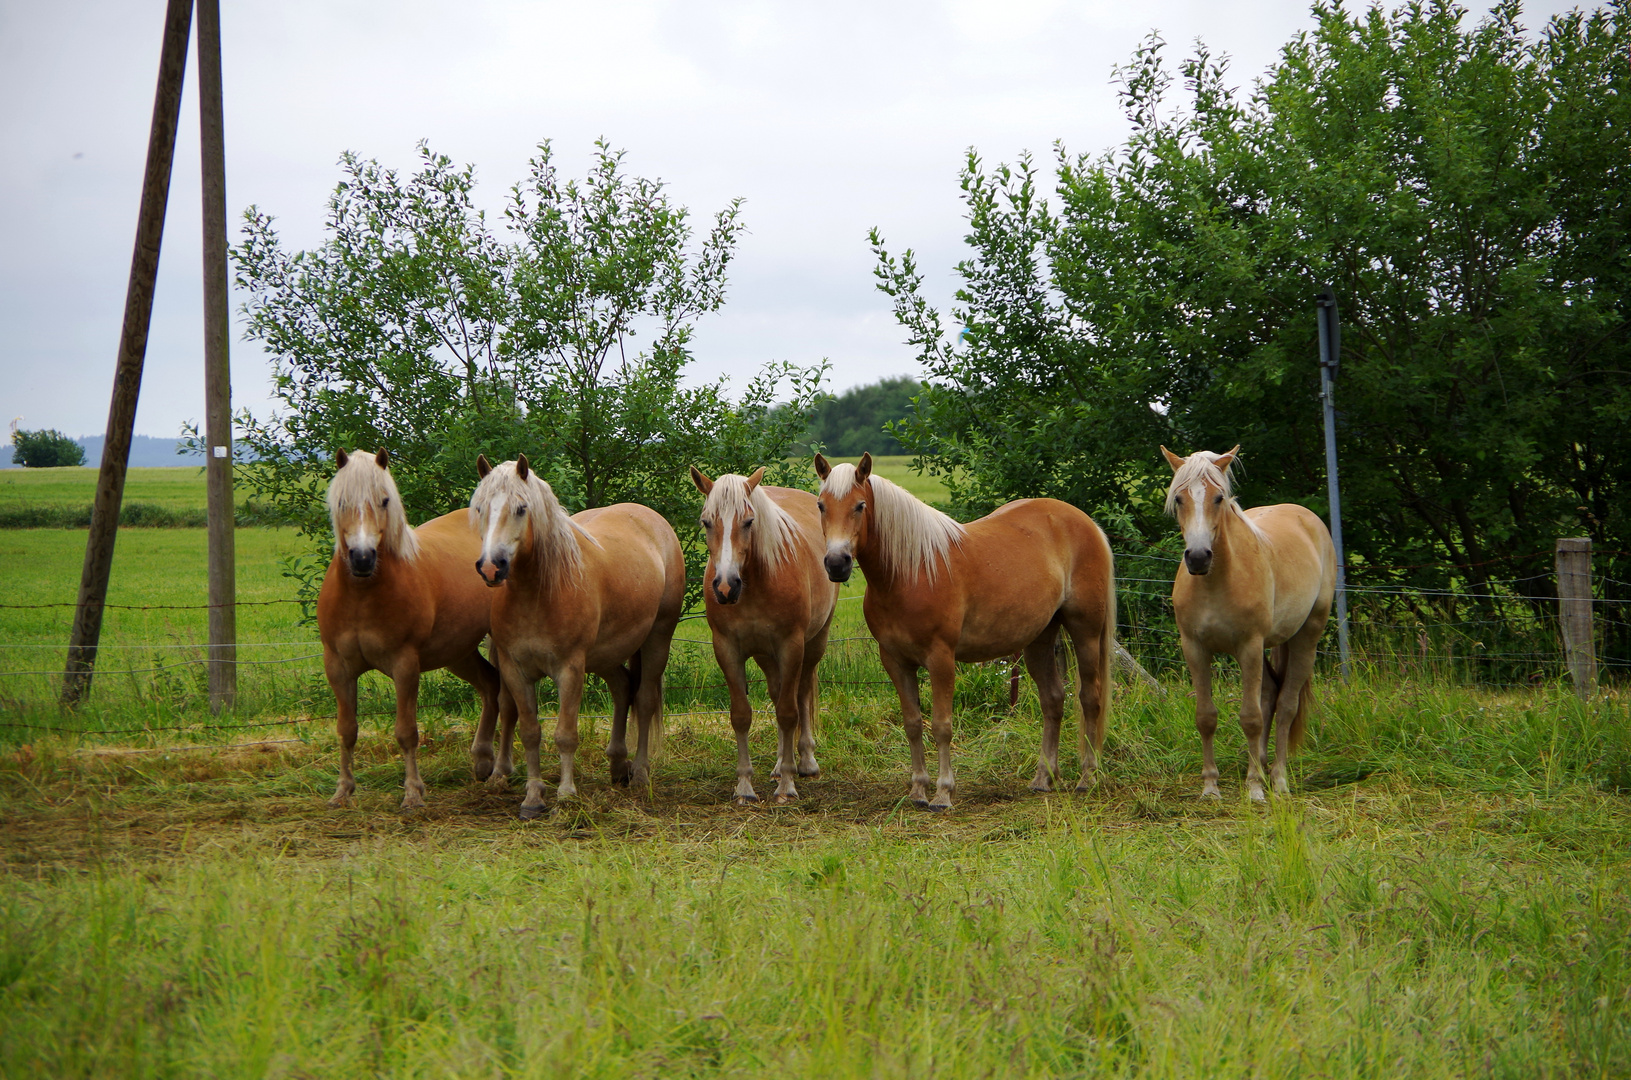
(1574, 612)
(1330, 356)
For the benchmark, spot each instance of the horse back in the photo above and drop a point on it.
(633, 556)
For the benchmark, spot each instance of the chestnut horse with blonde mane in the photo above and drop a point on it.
(938, 592)
(600, 592)
(1251, 580)
(401, 601)
(767, 598)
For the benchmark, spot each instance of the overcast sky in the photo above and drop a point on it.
(827, 118)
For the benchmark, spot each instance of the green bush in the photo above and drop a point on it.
(45, 449)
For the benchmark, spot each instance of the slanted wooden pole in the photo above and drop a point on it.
(223, 618)
(1574, 612)
(127, 375)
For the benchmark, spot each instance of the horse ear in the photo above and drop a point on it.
(521, 466)
(1227, 460)
(753, 481)
(1172, 459)
(822, 468)
(483, 466)
(340, 458)
(700, 479)
(383, 459)
(864, 469)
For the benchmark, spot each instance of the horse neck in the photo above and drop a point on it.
(1235, 542)
(536, 576)
(869, 557)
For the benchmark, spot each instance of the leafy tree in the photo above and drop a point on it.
(1462, 189)
(415, 327)
(45, 449)
(858, 420)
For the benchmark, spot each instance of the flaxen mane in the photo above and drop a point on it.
(1197, 469)
(361, 482)
(912, 534)
(774, 534)
(555, 535)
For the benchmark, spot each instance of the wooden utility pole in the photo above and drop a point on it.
(127, 376)
(223, 620)
(1574, 612)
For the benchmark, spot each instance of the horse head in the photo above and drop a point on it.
(499, 510)
(728, 517)
(1199, 493)
(366, 512)
(845, 523)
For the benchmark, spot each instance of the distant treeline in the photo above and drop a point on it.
(145, 452)
(131, 516)
(852, 423)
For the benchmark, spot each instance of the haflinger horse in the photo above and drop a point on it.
(1250, 580)
(401, 601)
(938, 592)
(768, 598)
(599, 591)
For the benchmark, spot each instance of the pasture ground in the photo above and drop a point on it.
(1447, 892)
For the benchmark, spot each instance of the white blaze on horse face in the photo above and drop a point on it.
(1196, 516)
(501, 526)
(359, 529)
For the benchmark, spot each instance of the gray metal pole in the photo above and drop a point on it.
(1330, 356)
(127, 372)
(223, 614)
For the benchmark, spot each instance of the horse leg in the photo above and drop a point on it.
(789, 678)
(570, 683)
(1092, 693)
(1050, 690)
(406, 678)
(524, 693)
(344, 684)
(648, 702)
(942, 667)
(504, 764)
(814, 650)
(619, 682)
(1199, 662)
(1250, 658)
(475, 670)
(904, 676)
(732, 663)
(1298, 669)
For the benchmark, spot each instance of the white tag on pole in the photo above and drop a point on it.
(220, 451)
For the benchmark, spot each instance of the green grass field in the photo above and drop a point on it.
(1447, 893)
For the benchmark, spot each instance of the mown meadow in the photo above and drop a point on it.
(1446, 893)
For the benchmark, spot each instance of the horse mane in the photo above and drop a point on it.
(555, 536)
(361, 481)
(1198, 468)
(774, 536)
(912, 535)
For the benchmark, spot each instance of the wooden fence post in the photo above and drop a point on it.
(1574, 611)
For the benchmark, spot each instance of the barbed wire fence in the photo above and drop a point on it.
(1507, 639)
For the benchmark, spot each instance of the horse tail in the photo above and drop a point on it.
(1107, 656)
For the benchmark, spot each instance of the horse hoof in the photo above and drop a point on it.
(810, 774)
(786, 800)
(1041, 786)
(1259, 797)
(938, 808)
(339, 801)
(747, 800)
(920, 802)
(532, 813)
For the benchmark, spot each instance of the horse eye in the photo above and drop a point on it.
(1217, 498)
(385, 501)
(748, 524)
(706, 524)
(860, 506)
(522, 509)
(821, 507)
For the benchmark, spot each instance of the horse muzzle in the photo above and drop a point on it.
(731, 593)
(362, 562)
(839, 566)
(501, 571)
(1198, 563)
